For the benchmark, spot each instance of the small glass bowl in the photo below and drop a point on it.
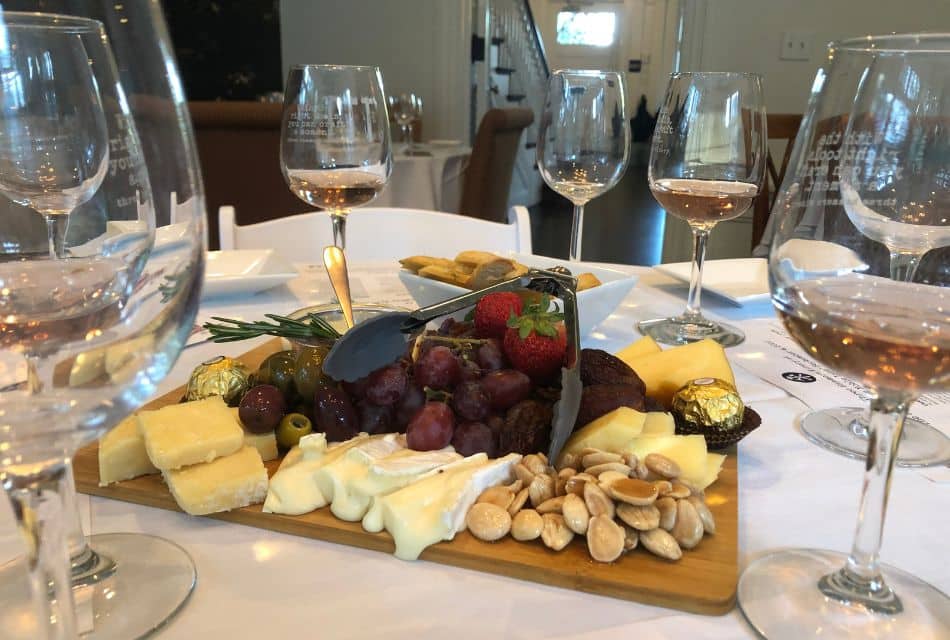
(331, 313)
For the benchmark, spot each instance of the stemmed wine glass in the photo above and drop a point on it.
(334, 139)
(855, 308)
(583, 139)
(406, 110)
(707, 163)
(98, 321)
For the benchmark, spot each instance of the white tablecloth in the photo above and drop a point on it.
(432, 182)
(254, 583)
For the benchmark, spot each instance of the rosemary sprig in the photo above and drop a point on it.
(308, 327)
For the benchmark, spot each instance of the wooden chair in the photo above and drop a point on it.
(379, 234)
(780, 126)
(488, 178)
(239, 151)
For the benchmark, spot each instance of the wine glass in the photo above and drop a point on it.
(98, 321)
(812, 186)
(406, 109)
(855, 309)
(583, 139)
(707, 163)
(334, 139)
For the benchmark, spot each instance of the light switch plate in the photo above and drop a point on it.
(796, 45)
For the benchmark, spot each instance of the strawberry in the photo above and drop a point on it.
(492, 313)
(536, 341)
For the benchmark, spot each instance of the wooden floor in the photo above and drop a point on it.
(625, 225)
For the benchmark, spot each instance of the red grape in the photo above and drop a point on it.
(474, 437)
(431, 427)
(506, 388)
(411, 401)
(470, 401)
(261, 408)
(357, 389)
(437, 368)
(387, 385)
(490, 355)
(470, 370)
(334, 414)
(374, 418)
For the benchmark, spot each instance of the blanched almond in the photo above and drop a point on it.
(575, 513)
(605, 539)
(705, 515)
(534, 464)
(551, 505)
(633, 491)
(488, 522)
(526, 525)
(659, 542)
(540, 489)
(641, 518)
(661, 465)
(598, 469)
(631, 538)
(667, 508)
(502, 496)
(600, 457)
(521, 498)
(555, 534)
(598, 504)
(679, 490)
(688, 530)
(523, 473)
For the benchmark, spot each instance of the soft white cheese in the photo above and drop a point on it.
(433, 508)
(335, 480)
(292, 489)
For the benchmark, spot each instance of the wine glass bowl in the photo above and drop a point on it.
(335, 144)
(583, 139)
(707, 163)
(861, 310)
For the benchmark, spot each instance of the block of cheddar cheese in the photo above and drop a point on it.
(665, 372)
(643, 347)
(122, 454)
(190, 433)
(608, 432)
(228, 482)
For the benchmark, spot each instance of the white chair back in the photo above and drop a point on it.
(379, 234)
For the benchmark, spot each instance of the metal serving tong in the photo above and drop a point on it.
(381, 340)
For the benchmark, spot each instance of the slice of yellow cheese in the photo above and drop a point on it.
(665, 372)
(643, 347)
(689, 452)
(608, 432)
(183, 434)
(658, 423)
(229, 482)
(122, 454)
(713, 467)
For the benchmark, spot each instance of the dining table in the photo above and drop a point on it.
(253, 583)
(428, 176)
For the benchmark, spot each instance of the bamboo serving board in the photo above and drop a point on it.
(703, 581)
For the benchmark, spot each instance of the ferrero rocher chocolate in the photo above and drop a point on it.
(709, 402)
(220, 376)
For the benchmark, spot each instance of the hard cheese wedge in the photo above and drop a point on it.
(189, 433)
(433, 508)
(122, 454)
(265, 443)
(642, 347)
(658, 423)
(665, 372)
(689, 452)
(608, 432)
(229, 482)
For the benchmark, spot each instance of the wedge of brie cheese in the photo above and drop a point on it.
(189, 433)
(292, 489)
(228, 482)
(335, 480)
(434, 507)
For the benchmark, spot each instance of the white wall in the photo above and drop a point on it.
(745, 35)
(421, 46)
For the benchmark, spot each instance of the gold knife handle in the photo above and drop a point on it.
(335, 262)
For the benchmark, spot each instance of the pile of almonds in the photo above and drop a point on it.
(616, 501)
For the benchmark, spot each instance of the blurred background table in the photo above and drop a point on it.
(430, 178)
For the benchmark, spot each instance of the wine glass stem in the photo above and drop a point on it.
(56, 233)
(904, 265)
(860, 580)
(693, 300)
(38, 508)
(338, 218)
(409, 140)
(577, 233)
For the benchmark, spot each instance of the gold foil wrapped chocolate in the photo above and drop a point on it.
(711, 403)
(220, 376)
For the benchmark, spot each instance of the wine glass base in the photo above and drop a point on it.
(679, 330)
(920, 446)
(151, 581)
(780, 597)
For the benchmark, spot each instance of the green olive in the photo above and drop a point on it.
(292, 428)
(308, 373)
(278, 370)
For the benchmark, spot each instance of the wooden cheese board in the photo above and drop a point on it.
(703, 581)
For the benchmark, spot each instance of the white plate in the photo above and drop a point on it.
(738, 280)
(594, 304)
(245, 271)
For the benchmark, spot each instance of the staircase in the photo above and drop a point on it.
(510, 70)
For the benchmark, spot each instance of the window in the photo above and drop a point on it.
(587, 28)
